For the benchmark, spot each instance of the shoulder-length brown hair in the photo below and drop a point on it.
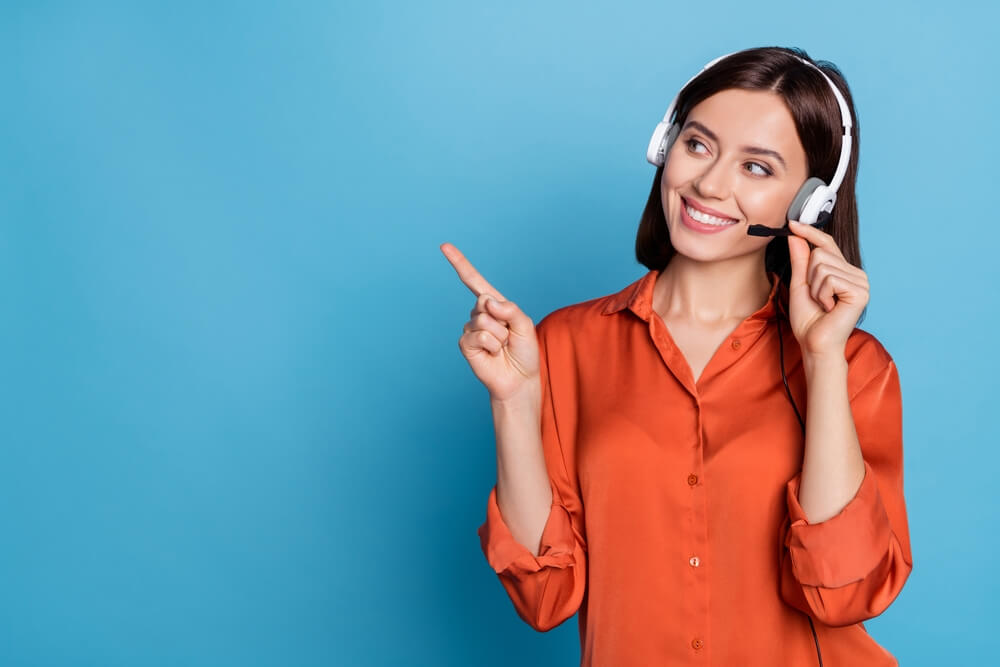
(817, 119)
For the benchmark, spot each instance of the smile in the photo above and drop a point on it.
(708, 219)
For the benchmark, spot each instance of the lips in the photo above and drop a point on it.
(701, 227)
(704, 209)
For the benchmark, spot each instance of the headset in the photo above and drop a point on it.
(812, 205)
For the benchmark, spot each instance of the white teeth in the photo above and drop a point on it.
(708, 219)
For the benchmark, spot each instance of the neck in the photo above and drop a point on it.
(711, 292)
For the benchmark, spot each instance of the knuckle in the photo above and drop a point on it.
(480, 305)
(487, 323)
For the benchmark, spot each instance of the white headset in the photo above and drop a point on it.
(813, 204)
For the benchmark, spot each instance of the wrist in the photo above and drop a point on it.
(528, 399)
(824, 363)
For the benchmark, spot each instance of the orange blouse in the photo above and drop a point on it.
(675, 528)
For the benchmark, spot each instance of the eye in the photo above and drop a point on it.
(767, 172)
(693, 141)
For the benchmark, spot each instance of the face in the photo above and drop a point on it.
(739, 156)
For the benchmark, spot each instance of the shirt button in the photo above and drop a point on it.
(697, 643)
(692, 479)
(694, 561)
(736, 343)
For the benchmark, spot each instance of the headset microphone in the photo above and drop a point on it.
(764, 230)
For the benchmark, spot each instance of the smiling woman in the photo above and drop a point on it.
(655, 472)
(706, 164)
(791, 120)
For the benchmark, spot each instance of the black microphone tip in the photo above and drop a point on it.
(764, 230)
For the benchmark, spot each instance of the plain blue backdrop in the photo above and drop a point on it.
(236, 425)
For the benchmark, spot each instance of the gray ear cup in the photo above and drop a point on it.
(660, 143)
(809, 187)
(669, 140)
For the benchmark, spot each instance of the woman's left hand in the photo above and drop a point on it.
(826, 294)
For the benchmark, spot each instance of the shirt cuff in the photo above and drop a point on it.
(507, 555)
(844, 548)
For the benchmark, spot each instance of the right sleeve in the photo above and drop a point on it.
(546, 589)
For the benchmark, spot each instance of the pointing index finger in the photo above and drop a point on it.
(468, 274)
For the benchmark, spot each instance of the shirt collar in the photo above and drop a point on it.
(638, 297)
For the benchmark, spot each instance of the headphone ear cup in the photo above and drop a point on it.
(660, 143)
(802, 197)
(818, 209)
(671, 138)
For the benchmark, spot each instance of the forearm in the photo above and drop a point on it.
(524, 493)
(832, 465)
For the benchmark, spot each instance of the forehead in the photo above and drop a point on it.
(750, 117)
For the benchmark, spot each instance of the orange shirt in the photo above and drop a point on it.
(675, 528)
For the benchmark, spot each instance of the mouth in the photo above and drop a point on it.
(701, 221)
(704, 214)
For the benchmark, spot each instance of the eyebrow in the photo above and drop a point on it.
(756, 150)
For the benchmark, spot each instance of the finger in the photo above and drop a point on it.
(486, 322)
(817, 269)
(832, 285)
(815, 236)
(798, 254)
(820, 256)
(507, 313)
(822, 293)
(474, 341)
(467, 273)
(480, 306)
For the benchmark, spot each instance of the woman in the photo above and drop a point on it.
(707, 465)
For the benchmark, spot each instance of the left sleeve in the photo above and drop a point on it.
(850, 567)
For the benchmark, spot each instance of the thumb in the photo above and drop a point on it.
(798, 254)
(508, 312)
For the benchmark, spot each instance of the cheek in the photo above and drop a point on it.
(674, 177)
(765, 204)
(676, 172)
(667, 183)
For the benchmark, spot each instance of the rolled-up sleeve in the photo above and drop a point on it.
(850, 567)
(548, 588)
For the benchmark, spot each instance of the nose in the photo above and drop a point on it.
(713, 180)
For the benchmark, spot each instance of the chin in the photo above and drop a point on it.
(694, 248)
(699, 254)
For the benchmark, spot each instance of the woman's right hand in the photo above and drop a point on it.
(499, 340)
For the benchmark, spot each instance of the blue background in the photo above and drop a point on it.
(237, 428)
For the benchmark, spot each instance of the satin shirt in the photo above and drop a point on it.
(675, 529)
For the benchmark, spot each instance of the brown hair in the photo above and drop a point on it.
(817, 119)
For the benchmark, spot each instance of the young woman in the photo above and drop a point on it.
(708, 464)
